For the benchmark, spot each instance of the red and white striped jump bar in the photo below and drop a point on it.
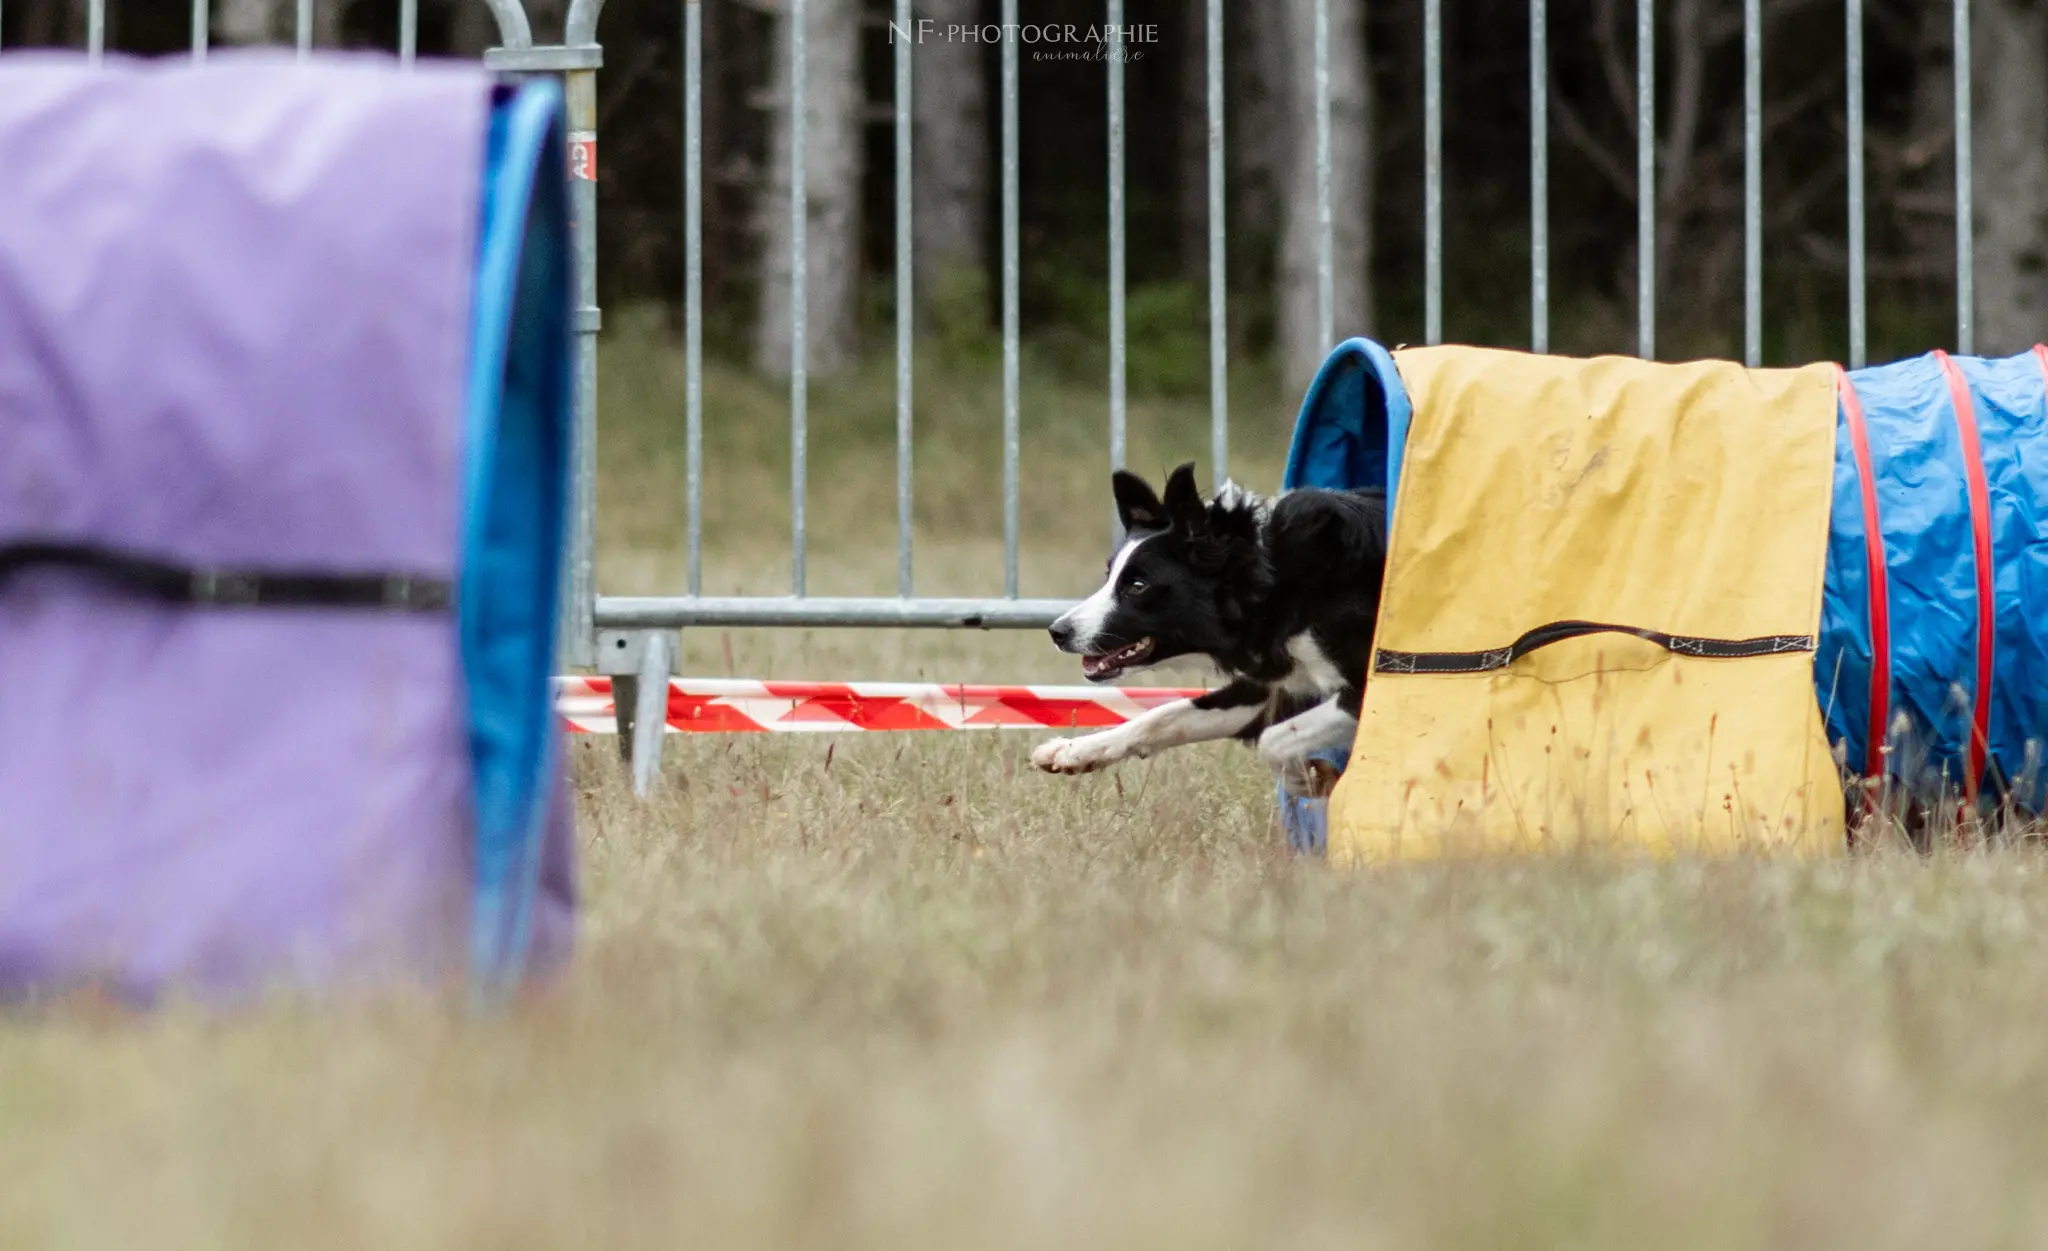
(728, 706)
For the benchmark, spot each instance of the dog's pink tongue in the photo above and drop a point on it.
(1092, 665)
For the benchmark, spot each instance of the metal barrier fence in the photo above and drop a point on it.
(632, 636)
(616, 615)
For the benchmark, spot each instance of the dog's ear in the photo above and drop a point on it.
(1184, 502)
(1136, 505)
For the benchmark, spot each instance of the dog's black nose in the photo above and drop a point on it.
(1062, 634)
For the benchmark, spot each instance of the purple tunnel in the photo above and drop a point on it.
(284, 436)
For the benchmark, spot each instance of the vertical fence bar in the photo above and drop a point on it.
(305, 29)
(580, 92)
(1012, 440)
(1432, 171)
(1859, 328)
(1539, 176)
(1752, 183)
(799, 295)
(1116, 234)
(693, 284)
(202, 21)
(899, 38)
(409, 31)
(1326, 269)
(95, 30)
(1219, 278)
(1646, 179)
(1966, 206)
(1012, 332)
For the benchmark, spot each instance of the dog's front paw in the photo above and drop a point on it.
(1047, 754)
(1072, 755)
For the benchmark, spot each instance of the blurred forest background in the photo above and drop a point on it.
(1376, 92)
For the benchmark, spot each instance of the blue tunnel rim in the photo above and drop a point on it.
(517, 437)
(1351, 357)
(1323, 433)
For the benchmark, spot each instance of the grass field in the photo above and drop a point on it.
(899, 991)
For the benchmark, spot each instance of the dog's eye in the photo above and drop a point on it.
(1136, 586)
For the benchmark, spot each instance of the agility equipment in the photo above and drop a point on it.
(1933, 660)
(739, 705)
(1671, 606)
(284, 432)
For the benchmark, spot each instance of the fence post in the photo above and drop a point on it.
(1646, 179)
(577, 59)
(1539, 176)
(1966, 202)
(581, 43)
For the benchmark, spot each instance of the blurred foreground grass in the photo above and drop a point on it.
(898, 991)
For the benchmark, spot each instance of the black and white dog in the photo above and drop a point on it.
(1281, 594)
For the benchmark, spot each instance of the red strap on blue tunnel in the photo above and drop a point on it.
(1875, 582)
(1980, 536)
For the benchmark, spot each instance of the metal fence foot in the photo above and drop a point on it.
(650, 712)
(639, 663)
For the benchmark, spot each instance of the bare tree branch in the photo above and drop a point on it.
(619, 86)
(1828, 252)
(1618, 69)
(1687, 92)
(1581, 137)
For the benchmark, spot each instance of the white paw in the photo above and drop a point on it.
(1074, 755)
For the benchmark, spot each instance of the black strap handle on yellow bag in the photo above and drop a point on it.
(1387, 661)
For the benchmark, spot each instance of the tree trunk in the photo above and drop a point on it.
(249, 21)
(950, 166)
(2010, 74)
(1301, 342)
(53, 23)
(1192, 134)
(1255, 149)
(244, 22)
(834, 105)
(471, 28)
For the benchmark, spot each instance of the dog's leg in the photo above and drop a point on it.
(1287, 747)
(1222, 713)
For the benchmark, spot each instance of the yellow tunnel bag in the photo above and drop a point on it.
(1539, 497)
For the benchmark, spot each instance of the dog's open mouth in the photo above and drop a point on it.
(1107, 665)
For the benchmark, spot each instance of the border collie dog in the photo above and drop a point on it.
(1280, 594)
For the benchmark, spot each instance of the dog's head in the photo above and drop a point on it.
(1178, 585)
